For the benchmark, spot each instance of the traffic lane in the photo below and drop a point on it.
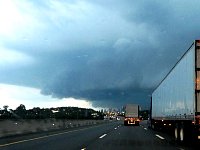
(75, 139)
(131, 137)
(169, 137)
(21, 137)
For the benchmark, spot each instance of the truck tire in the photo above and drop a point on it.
(179, 133)
(183, 132)
(176, 132)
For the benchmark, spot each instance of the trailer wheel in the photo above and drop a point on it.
(181, 133)
(176, 132)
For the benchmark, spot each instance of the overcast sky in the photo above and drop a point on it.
(90, 53)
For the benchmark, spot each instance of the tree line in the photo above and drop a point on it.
(43, 113)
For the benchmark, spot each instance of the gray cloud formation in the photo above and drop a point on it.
(108, 52)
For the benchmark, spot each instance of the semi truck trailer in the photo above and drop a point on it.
(175, 102)
(131, 114)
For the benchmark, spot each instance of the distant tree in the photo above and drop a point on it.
(5, 107)
(5, 114)
(37, 112)
(21, 111)
(45, 113)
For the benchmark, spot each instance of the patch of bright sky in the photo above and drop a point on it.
(12, 20)
(13, 96)
(8, 16)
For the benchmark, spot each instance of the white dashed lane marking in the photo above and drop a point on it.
(102, 136)
(160, 137)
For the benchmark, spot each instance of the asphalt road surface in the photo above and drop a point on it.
(110, 136)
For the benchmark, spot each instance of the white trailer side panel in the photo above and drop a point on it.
(175, 96)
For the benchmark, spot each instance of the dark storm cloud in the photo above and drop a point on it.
(102, 75)
(110, 53)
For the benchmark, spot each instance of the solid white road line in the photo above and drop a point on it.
(41, 137)
(102, 136)
(160, 137)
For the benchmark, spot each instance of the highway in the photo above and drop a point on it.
(109, 136)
